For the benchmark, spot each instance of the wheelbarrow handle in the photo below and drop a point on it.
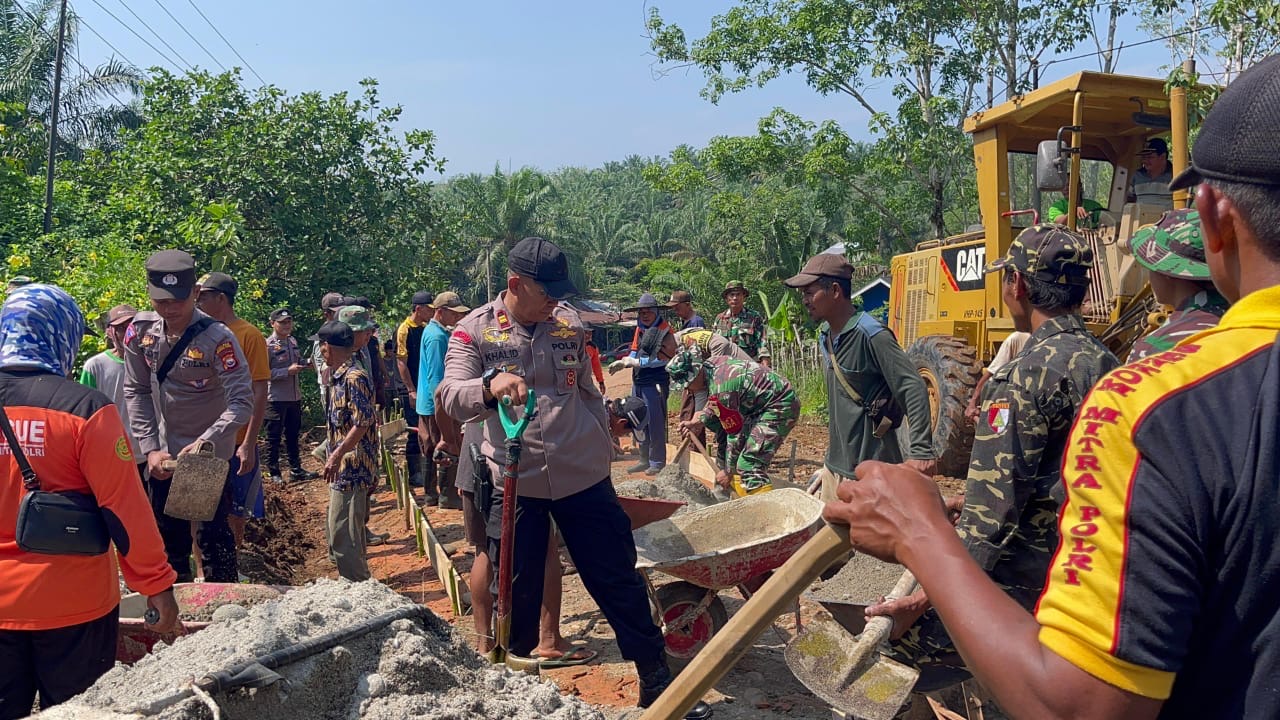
(514, 426)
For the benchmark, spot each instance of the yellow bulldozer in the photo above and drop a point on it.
(949, 315)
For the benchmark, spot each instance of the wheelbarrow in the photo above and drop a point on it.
(729, 545)
(197, 600)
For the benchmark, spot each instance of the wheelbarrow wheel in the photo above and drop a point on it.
(677, 599)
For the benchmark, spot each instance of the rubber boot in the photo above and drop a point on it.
(654, 680)
(427, 481)
(449, 498)
(643, 463)
(414, 463)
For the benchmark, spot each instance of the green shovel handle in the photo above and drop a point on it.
(515, 427)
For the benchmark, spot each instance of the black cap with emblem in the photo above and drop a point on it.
(171, 275)
(543, 261)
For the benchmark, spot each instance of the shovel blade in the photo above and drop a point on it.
(819, 658)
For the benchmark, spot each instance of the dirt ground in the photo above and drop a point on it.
(289, 548)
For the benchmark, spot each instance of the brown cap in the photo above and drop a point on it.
(120, 314)
(331, 301)
(820, 265)
(449, 300)
(679, 296)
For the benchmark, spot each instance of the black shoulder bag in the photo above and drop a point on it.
(54, 523)
(176, 351)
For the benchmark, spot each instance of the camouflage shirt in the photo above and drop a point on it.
(742, 394)
(746, 330)
(1199, 312)
(352, 405)
(1012, 495)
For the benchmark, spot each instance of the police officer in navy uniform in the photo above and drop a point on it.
(206, 394)
(526, 339)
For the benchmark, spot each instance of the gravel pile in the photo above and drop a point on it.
(404, 670)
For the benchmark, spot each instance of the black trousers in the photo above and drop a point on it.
(283, 420)
(410, 414)
(597, 534)
(58, 664)
(213, 538)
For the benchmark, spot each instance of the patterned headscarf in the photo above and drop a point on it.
(40, 327)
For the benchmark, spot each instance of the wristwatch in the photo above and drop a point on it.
(488, 377)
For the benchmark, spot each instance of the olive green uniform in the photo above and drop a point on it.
(1013, 492)
(876, 367)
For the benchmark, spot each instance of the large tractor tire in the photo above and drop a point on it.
(950, 370)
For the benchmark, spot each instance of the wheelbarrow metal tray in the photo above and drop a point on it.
(723, 545)
(643, 511)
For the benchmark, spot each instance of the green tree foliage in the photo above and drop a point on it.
(28, 44)
(306, 193)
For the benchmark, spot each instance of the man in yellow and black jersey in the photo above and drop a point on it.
(1163, 598)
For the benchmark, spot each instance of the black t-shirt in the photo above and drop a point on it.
(1167, 579)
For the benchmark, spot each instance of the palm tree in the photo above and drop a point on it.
(28, 46)
(498, 211)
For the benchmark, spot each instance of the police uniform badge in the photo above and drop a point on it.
(496, 335)
(570, 377)
(226, 353)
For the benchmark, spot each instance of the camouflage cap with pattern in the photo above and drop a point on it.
(1049, 253)
(357, 318)
(1172, 246)
(684, 367)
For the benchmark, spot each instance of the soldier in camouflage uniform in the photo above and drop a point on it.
(755, 406)
(742, 325)
(1010, 519)
(1173, 250)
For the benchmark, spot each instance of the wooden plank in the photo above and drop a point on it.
(390, 430)
(695, 464)
(438, 555)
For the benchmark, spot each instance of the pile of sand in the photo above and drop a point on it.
(404, 670)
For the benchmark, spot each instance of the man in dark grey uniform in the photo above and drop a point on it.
(202, 393)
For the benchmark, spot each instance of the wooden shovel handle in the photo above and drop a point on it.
(727, 646)
(877, 631)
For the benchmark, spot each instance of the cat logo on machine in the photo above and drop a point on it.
(963, 267)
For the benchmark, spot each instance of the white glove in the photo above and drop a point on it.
(617, 365)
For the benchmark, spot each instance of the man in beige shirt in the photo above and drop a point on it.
(527, 340)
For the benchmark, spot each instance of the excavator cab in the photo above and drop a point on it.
(1083, 132)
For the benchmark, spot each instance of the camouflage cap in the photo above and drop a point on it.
(1049, 253)
(684, 367)
(356, 318)
(1172, 246)
(731, 286)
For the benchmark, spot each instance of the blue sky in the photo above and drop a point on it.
(545, 84)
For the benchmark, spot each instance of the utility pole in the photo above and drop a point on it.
(53, 118)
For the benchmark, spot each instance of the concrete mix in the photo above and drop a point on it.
(401, 671)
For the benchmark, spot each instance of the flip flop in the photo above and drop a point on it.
(575, 656)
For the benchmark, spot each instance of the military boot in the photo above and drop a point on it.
(643, 463)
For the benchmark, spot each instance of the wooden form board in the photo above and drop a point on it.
(696, 465)
(449, 576)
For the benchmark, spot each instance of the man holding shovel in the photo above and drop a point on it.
(526, 339)
(1012, 495)
(754, 406)
(186, 381)
(1160, 600)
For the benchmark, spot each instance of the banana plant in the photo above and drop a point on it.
(778, 317)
